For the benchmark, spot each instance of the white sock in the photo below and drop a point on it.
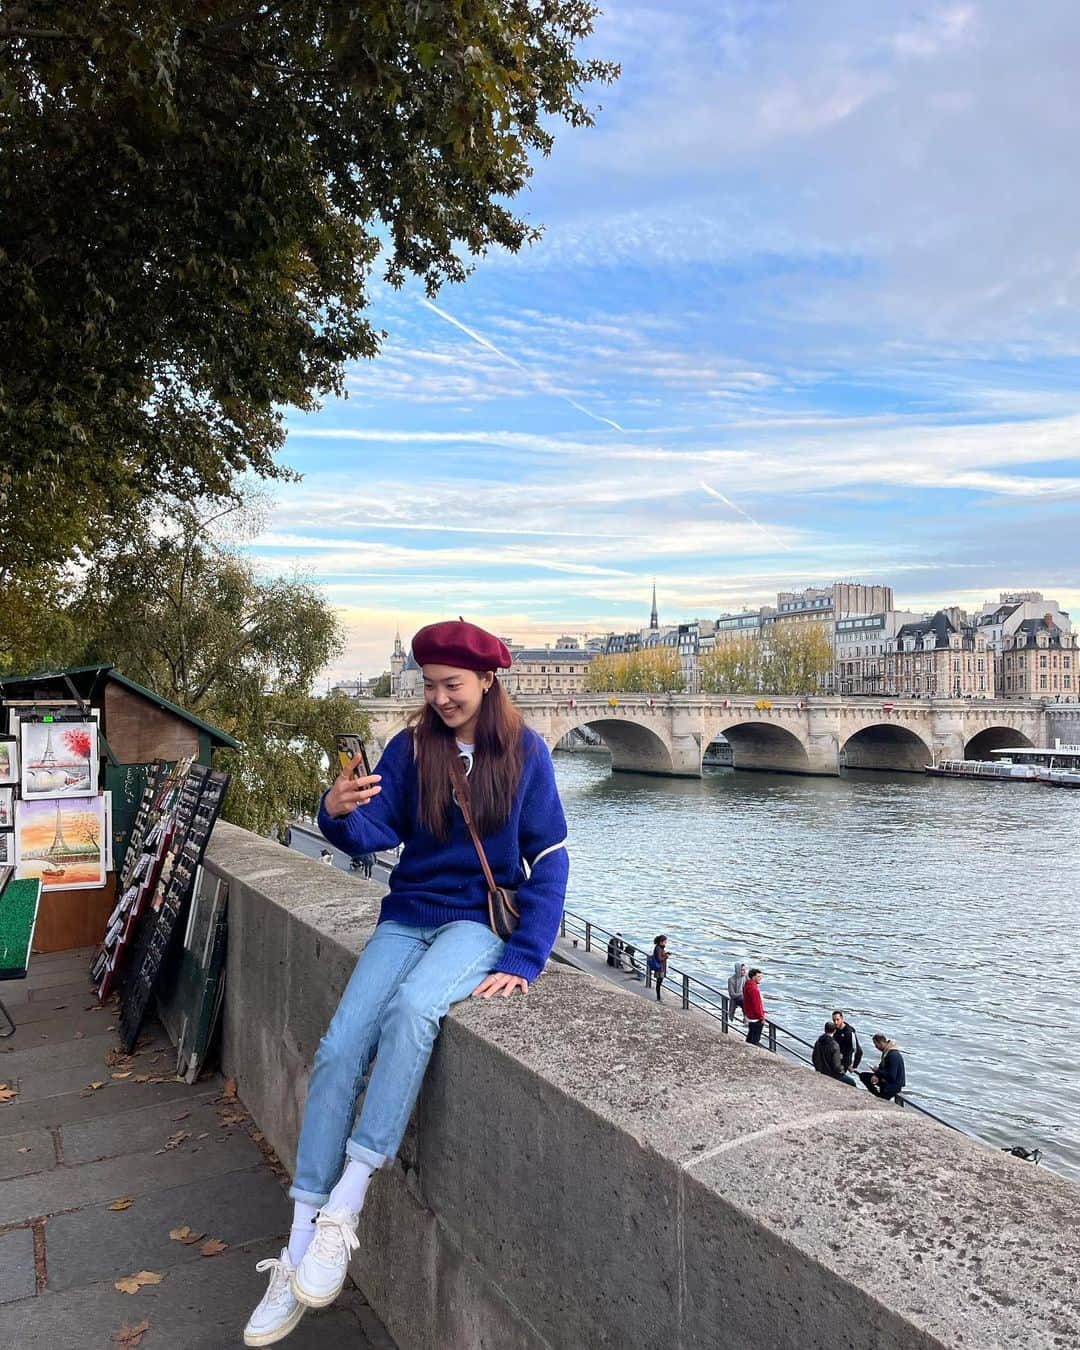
(302, 1230)
(349, 1193)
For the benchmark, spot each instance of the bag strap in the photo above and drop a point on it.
(461, 791)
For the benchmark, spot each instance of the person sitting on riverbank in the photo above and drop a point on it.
(847, 1038)
(753, 1007)
(615, 951)
(827, 1058)
(735, 983)
(632, 966)
(889, 1078)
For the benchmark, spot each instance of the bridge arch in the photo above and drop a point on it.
(887, 745)
(635, 748)
(757, 744)
(995, 738)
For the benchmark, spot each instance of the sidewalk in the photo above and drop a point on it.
(102, 1157)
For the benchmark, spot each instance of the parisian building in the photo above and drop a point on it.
(943, 656)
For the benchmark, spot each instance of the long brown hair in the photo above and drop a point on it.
(496, 769)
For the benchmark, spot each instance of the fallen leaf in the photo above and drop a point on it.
(78, 1035)
(229, 1091)
(131, 1284)
(141, 1078)
(126, 1203)
(7, 1093)
(214, 1247)
(185, 1235)
(131, 1335)
(94, 1086)
(125, 1074)
(59, 1007)
(175, 1140)
(182, 1116)
(24, 1150)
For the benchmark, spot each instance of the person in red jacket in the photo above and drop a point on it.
(753, 1007)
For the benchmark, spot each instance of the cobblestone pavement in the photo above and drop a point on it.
(102, 1158)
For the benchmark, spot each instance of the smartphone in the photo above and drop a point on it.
(348, 746)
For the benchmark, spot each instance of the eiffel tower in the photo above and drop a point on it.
(47, 758)
(59, 846)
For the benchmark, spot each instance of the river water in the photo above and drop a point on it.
(945, 913)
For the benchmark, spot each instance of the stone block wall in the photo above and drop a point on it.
(584, 1171)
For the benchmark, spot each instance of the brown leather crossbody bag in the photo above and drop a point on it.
(503, 914)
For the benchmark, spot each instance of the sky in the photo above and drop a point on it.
(805, 309)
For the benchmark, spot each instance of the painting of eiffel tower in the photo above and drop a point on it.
(59, 759)
(62, 841)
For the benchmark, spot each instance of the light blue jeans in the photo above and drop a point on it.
(405, 980)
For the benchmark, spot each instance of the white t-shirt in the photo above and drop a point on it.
(466, 753)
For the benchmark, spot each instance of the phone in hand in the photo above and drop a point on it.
(348, 746)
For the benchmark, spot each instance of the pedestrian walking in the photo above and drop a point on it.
(735, 984)
(658, 961)
(434, 943)
(753, 1007)
(890, 1076)
(367, 863)
(826, 1056)
(847, 1038)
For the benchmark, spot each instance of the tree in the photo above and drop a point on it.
(653, 670)
(798, 659)
(187, 616)
(193, 198)
(381, 688)
(732, 667)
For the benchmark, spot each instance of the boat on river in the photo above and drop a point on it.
(1016, 764)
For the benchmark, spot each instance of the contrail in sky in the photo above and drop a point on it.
(533, 375)
(745, 515)
(548, 388)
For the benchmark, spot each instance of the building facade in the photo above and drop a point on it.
(860, 644)
(939, 657)
(1039, 661)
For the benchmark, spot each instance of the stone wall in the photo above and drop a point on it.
(584, 1171)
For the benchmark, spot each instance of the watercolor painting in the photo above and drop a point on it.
(62, 841)
(59, 759)
(7, 799)
(9, 760)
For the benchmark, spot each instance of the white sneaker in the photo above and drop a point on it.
(319, 1277)
(279, 1311)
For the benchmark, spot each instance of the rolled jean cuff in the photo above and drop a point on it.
(309, 1197)
(365, 1155)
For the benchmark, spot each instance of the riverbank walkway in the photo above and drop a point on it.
(113, 1171)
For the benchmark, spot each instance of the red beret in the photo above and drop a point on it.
(459, 644)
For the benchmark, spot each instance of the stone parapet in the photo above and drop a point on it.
(585, 1172)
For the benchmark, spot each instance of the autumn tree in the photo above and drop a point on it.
(734, 666)
(798, 659)
(652, 670)
(185, 613)
(194, 197)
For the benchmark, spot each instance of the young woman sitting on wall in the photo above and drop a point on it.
(433, 944)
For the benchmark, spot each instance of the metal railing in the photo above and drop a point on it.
(699, 994)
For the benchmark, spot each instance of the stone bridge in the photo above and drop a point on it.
(668, 733)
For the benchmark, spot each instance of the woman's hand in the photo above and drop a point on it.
(347, 792)
(498, 983)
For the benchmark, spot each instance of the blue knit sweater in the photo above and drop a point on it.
(436, 882)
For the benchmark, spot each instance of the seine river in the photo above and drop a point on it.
(944, 913)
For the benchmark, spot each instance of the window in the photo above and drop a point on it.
(980, 666)
(1066, 681)
(1042, 681)
(1042, 662)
